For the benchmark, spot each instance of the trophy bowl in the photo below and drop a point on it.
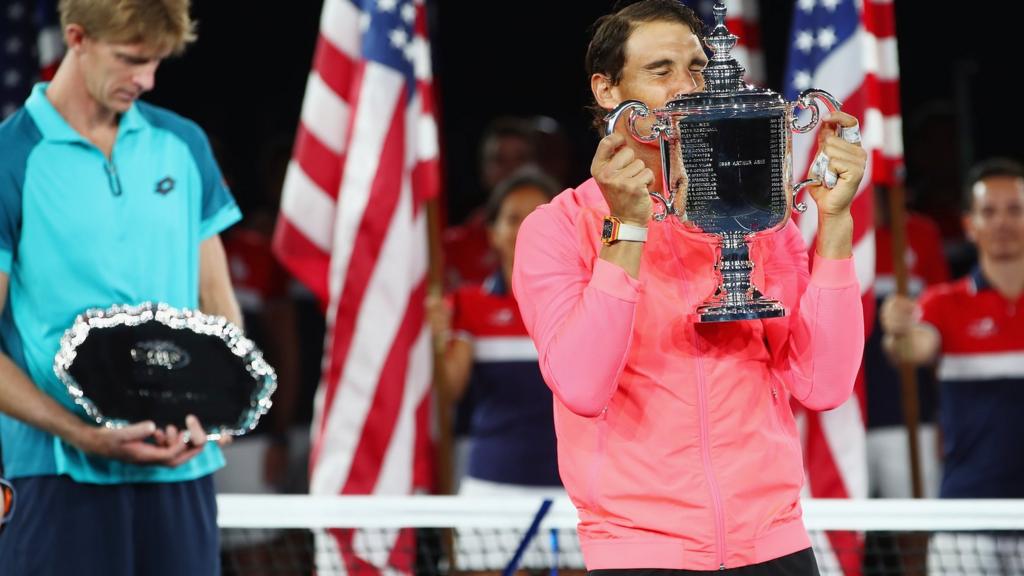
(153, 362)
(726, 158)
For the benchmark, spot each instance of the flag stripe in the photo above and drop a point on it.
(879, 20)
(880, 56)
(307, 207)
(320, 165)
(335, 68)
(325, 114)
(306, 261)
(339, 25)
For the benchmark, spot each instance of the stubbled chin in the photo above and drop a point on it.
(121, 105)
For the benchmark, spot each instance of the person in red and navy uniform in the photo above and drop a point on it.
(974, 329)
(491, 368)
(491, 361)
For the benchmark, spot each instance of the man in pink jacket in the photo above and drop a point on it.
(676, 441)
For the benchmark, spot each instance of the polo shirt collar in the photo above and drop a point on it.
(978, 281)
(54, 127)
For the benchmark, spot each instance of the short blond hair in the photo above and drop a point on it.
(164, 25)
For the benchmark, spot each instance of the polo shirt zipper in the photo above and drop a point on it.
(112, 178)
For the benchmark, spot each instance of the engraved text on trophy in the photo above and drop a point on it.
(735, 181)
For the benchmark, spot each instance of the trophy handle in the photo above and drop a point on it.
(822, 175)
(801, 207)
(805, 101)
(666, 202)
(638, 110)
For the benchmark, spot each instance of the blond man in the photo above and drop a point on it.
(105, 200)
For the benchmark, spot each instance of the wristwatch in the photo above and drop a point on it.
(614, 230)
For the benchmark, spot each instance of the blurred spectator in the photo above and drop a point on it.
(554, 152)
(508, 144)
(489, 356)
(974, 329)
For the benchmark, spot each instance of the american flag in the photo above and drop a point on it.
(31, 47)
(742, 19)
(847, 47)
(353, 228)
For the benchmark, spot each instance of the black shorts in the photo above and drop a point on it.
(158, 529)
(800, 563)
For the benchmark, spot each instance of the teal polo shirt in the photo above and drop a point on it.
(79, 231)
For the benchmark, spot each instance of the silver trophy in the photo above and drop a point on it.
(153, 362)
(727, 168)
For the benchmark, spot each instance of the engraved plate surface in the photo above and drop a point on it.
(152, 362)
(734, 172)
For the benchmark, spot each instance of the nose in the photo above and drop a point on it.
(145, 77)
(689, 82)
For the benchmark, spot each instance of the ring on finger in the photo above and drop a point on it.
(851, 134)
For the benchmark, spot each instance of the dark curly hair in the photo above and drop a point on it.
(606, 53)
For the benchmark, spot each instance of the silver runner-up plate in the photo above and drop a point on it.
(153, 362)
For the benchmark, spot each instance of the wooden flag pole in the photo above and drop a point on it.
(908, 374)
(444, 462)
(443, 409)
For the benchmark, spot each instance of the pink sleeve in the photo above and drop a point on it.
(580, 319)
(826, 330)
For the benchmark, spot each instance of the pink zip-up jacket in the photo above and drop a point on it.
(676, 441)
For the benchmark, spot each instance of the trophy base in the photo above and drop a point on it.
(750, 310)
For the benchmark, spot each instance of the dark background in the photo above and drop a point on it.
(243, 81)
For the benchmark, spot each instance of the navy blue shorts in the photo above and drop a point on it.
(63, 527)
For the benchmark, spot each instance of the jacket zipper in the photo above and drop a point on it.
(705, 445)
(598, 462)
(705, 426)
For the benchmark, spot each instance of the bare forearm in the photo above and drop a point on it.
(835, 236)
(458, 365)
(22, 399)
(221, 303)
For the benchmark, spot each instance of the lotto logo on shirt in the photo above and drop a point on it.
(165, 185)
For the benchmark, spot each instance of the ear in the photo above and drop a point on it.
(967, 221)
(74, 37)
(606, 94)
